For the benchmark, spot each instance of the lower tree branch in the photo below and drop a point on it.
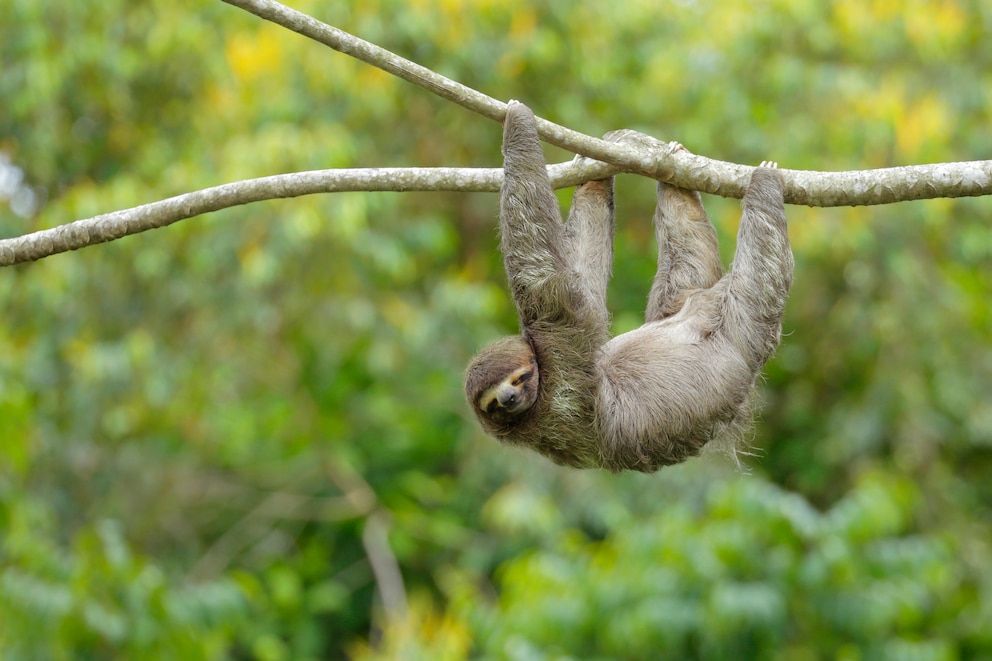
(855, 188)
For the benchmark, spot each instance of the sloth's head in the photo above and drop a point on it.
(501, 382)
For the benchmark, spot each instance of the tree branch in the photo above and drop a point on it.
(385, 567)
(856, 188)
(117, 224)
(821, 189)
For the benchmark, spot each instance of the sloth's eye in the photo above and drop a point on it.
(523, 378)
(491, 406)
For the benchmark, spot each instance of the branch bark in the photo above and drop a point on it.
(117, 224)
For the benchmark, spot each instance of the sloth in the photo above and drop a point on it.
(656, 395)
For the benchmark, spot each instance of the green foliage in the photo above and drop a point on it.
(197, 424)
(94, 599)
(754, 572)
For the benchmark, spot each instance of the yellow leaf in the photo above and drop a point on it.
(924, 121)
(252, 55)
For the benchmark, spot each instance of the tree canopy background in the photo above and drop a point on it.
(216, 439)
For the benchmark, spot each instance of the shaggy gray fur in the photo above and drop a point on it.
(654, 396)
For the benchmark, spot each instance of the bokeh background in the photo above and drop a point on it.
(244, 437)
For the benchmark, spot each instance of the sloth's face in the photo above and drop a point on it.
(514, 394)
(502, 382)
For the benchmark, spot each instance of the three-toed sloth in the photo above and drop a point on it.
(655, 395)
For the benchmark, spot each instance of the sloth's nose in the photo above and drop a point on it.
(507, 397)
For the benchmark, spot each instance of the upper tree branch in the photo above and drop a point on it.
(682, 169)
